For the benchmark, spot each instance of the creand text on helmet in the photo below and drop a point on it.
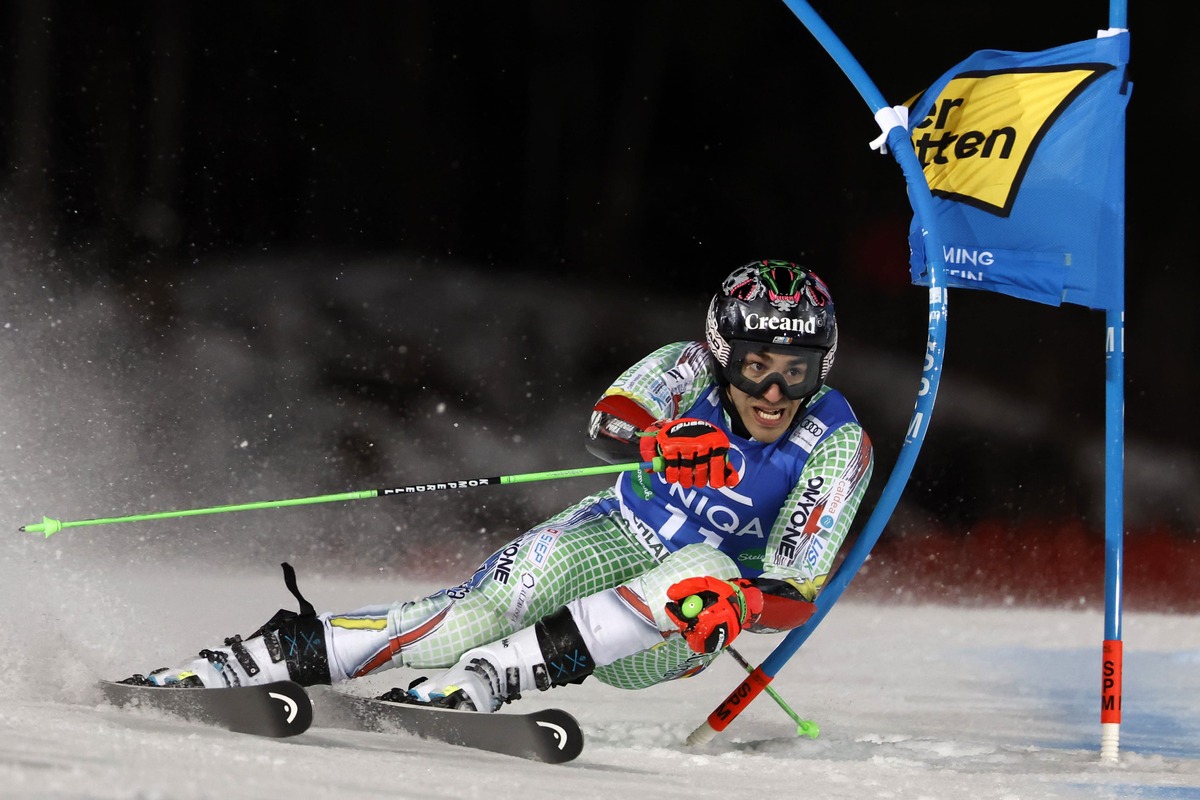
(758, 322)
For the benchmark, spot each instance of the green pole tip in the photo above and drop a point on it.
(47, 525)
(808, 728)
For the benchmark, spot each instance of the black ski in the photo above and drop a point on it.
(273, 709)
(550, 735)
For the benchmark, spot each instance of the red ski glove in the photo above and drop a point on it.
(694, 452)
(711, 612)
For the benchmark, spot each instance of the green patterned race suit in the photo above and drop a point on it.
(786, 518)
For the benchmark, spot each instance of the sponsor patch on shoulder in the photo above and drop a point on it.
(808, 433)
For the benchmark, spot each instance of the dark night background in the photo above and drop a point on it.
(609, 161)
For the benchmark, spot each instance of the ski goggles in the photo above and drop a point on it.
(754, 367)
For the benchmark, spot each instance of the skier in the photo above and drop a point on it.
(647, 581)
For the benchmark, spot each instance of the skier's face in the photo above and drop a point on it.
(768, 415)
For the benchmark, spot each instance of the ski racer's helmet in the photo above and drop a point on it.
(779, 307)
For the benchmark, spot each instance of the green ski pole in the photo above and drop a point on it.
(804, 727)
(50, 526)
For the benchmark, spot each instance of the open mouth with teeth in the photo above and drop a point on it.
(769, 416)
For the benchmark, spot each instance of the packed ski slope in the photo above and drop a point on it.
(912, 702)
(103, 415)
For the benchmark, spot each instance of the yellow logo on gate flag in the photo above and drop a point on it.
(981, 133)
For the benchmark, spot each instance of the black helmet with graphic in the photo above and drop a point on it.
(777, 307)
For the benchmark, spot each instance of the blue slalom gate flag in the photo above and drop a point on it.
(1024, 154)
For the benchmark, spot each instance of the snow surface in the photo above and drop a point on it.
(103, 413)
(912, 702)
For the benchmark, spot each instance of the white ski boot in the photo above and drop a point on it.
(289, 646)
(549, 653)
